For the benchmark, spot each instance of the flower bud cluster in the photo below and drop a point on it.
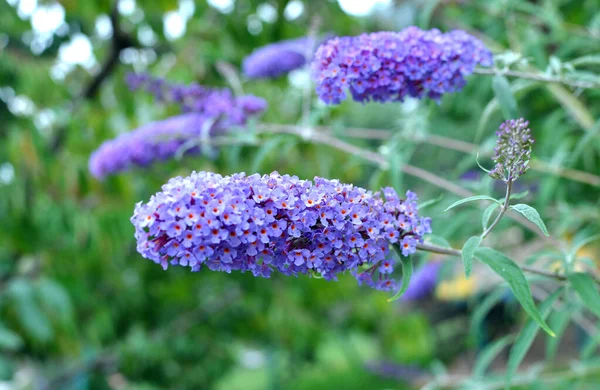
(513, 150)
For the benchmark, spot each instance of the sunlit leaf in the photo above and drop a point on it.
(531, 214)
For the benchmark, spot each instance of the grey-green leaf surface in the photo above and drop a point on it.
(489, 353)
(471, 199)
(512, 274)
(531, 214)
(508, 103)
(526, 337)
(587, 290)
(407, 269)
(467, 253)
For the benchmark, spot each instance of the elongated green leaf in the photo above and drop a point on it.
(487, 356)
(407, 269)
(9, 340)
(531, 214)
(559, 320)
(468, 250)
(520, 195)
(512, 274)
(508, 103)
(487, 213)
(482, 310)
(471, 199)
(586, 289)
(55, 299)
(593, 59)
(592, 343)
(429, 202)
(31, 318)
(526, 337)
(573, 105)
(583, 243)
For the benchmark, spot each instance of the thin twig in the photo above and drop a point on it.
(467, 147)
(537, 77)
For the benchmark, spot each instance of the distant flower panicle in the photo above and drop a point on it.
(276, 59)
(513, 150)
(212, 102)
(273, 222)
(423, 282)
(207, 112)
(389, 66)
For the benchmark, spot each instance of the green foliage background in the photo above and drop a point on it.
(79, 308)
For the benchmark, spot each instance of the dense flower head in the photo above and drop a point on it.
(212, 102)
(277, 59)
(423, 282)
(513, 150)
(389, 66)
(262, 224)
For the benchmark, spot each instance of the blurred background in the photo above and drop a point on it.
(80, 309)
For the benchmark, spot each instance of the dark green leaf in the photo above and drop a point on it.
(587, 290)
(559, 320)
(512, 274)
(531, 214)
(471, 199)
(8, 339)
(407, 269)
(467, 253)
(526, 337)
(487, 356)
(506, 99)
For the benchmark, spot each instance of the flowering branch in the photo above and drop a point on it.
(457, 253)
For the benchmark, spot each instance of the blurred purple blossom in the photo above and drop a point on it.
(423, 282)
(388, 66)
(264, 223)
(278, 58)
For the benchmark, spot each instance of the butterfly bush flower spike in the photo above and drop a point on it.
(513, 150)
(389, 66)
(207, 113)
(262, 224)
(277, 59)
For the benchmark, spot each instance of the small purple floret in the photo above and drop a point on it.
(262, 224)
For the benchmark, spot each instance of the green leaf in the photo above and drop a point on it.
(429, 202)
(583, 243)
(468, 250)
(587, 290)
(559, 320)
(32, 319)
(487, 356)
(471, 199)
(520, 195)
(531, 214)
(487, 213)
(482, 310)
(512, 274)
(573, 105)
(9, 340)
(526, 337)
(55, 299)
(508, 103)
(407, 269)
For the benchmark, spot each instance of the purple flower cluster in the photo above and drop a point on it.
(273, 222)
(214, 103)
(207, 112)
(277, 59)
(423, 282)
(388, 66)
(513, 150)
(155, 141)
